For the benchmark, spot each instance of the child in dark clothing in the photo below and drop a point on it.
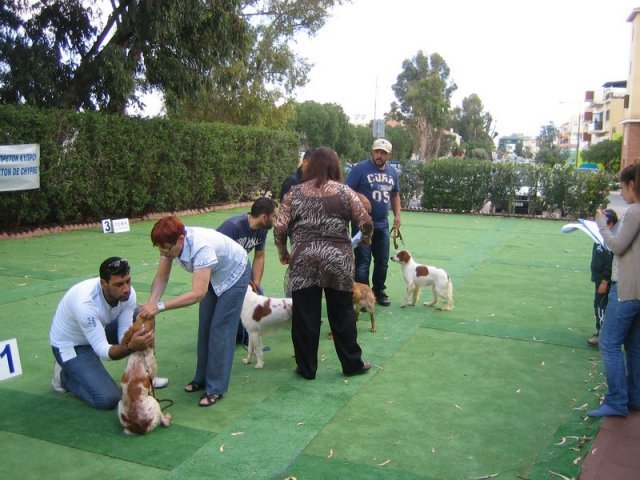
(601, 260)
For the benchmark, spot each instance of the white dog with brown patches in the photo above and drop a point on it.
(418, 276)
(139, 411)
(259, 315)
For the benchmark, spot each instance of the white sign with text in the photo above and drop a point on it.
(115, 226)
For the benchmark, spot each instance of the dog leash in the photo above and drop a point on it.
(153, 388)
(395, 235)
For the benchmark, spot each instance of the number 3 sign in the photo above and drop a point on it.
(9, 359)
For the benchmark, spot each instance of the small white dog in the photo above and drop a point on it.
(259, 315)
(139, 411)
(418, 276)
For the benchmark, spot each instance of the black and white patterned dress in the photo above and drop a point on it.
(317, 219)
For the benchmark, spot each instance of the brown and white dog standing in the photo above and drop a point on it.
(418, 276)
(363, 297)
(139, 411)
(259, 315)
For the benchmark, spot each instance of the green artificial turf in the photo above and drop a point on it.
(492, 387)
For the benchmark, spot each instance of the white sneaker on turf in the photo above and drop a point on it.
(56, 383)
(160, 382)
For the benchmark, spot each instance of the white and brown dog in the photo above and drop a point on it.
(139, 411)
(418, 276)
(260, 315)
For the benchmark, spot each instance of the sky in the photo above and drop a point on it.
(529, 62)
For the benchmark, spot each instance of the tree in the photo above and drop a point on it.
(473, 124)
(548, 151)
(423, 90)
(70, 54)
(324, 125)
(402, 140)
(607, 153)
(212, 59)
(519, 148)
(256, 89)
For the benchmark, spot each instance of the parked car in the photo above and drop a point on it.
(522, 201)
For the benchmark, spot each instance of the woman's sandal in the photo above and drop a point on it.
(192, 387)
(208, 399)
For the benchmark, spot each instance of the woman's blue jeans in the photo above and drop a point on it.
(621, 327)
(379, 250)
(219, 317)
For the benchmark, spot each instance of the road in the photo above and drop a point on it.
(617, 203)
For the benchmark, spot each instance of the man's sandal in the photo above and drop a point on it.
(192, 387)
(208, 399)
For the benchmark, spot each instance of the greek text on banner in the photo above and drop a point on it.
(19, 167)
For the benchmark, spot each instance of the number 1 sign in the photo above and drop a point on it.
(9, 359)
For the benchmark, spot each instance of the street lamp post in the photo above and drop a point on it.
(578, 141)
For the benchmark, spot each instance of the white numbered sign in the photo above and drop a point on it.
(106, 226)
(115, 226)
(9, 359)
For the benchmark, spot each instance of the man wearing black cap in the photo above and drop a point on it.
(378, 182)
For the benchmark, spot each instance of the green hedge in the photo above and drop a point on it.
(95, 166)
(463, 185)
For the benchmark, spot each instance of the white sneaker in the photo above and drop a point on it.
(56, 383)
(160, 382)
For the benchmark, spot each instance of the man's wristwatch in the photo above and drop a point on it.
(161, 306)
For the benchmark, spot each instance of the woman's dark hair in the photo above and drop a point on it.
(631, 173)
(323, 166)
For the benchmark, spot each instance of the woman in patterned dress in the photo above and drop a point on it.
(316, 214)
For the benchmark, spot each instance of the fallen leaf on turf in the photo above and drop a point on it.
(491, 315)
(577, 460)
(291, 478)
(386, 462)
(433, 449)
(560, 475)
(562, 442)
(299, 424)
(518, 390)
(458, 406)
(593, 452)
(542, 364)
(484, 477)
(582, 407)
(330, 453)
(221, 448)
(237, 433)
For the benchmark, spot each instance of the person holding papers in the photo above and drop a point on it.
(621, 324)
